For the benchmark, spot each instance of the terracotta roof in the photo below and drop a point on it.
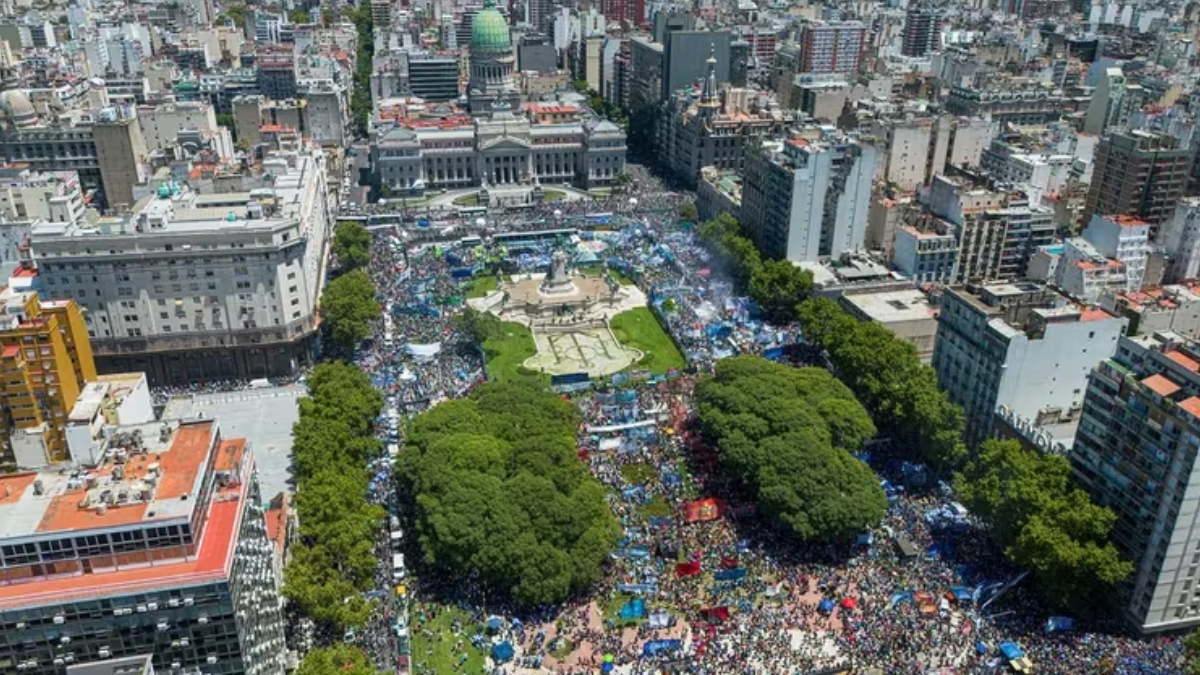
(1160, 385)
(1183, 360)
(1192, 405)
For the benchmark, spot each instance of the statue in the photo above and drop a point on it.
(558, 281)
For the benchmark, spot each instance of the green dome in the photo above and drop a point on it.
(489, 31)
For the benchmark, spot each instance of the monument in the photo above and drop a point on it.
(558, 282)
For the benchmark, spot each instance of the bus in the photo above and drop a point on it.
(468, 211)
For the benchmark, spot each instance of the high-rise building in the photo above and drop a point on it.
(46, 359)
(1021, 347)
(1138, 173)
(1135, 453)
(632, 12)
(806, 200)
(158, 549)
(831, 47)
(1181, 237)
(432, 77)
(276, 73)
(685, 54)
(55, 196)
(922, 31)
(121, 154)
(1109, 107)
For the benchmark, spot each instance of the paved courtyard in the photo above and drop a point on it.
(262, 416)
(595, 351)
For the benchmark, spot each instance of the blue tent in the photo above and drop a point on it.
(981, 648)
(730, 575)
(961, 594)
(634, 609)
(1011, 651)
(494, 623)
(656, 647)
(503, 652)
(826, 606)
(1057, 623)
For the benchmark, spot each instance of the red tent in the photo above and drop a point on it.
(849, 603)
(702, 510)
(730, 562)
(715, 614)
(582, 453)
(688, 569)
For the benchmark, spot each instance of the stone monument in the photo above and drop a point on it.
(558, 282)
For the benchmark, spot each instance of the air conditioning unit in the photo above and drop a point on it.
(105, 653)
(202, 620)
(162, 626)
(187, 602)
(211, 660)
(152, 606)
(173, 602)
(66, 639)
(59, 619)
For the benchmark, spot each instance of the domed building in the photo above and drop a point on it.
(492, 62)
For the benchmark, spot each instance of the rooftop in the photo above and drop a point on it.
(893, 306)
(150, 473)
(116, 387)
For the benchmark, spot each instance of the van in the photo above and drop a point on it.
(260, 383)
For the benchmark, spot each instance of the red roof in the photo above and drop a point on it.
(1160, 385)
(1184, 360)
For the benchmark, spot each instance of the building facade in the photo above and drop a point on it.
(194, 287)
(161, 549)
(1018, 346)
(1135, 453)
(807, 200)
(1138, 173)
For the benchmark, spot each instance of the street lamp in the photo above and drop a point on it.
(558, 217)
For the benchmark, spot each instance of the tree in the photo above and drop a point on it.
(351, 245)
(348, 307)
(228, 121)
(778, 286)
(889, 379)
(786, 435)
(1044, 523)
(498, 494)
(299, 16)
(1191, 650)
(476, 325)
(688, 211)
(337, 659)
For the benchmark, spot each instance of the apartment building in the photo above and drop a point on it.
(191, 287)
(1135, 453)
(807, 200)
(25, 194)
(159, 549)
(1021, 347)
(1138, 173)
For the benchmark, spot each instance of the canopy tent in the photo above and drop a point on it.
(1059, 623)
(961, 593)
(503, 652)
(702, 510)
(494, 623)
(826, 606)
(729, 562)
(730, 575)
(1011, 651)
(688, 569)
(660, 619)
(634, 609)
(849, 603)
(715, 614)
(981, 648)
(655, 647)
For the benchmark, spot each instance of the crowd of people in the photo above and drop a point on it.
(718, 592)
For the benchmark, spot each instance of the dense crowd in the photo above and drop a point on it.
(736, 597)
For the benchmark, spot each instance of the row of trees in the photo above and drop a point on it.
(338, 659)
(889, 379)
(775, 285)
(360, 98)
(787, 435)
(499, 496)
(1044, 523)
(332, 442)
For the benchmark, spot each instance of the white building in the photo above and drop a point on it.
(199, 287)
(1122, 238)
(1021, 347)
(1084, 273)
(1181, 237)
(53, 196)
(161, 124)
(1039, 174)
(807, 201)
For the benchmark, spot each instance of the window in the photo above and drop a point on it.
(124, 291)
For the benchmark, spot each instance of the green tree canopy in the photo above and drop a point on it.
(339, 659)
(787, 435)
(333, 562)
(348, 307)
(889, 379)
(500, 495)
(351, 245)
(299, 16)
(688, 211)
(1044, 523)
(776, 285)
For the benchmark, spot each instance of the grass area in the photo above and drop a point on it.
(656, 507)
(468, 200)
(636, 474)
(507, 351)
(481, 286)
(612, 609)
(620, 276)
(553, 195)
(564, 650)
(438, 655)
(639, 329)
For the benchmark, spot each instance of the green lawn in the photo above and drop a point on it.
(657, 506)
(443, 658)
(467, 200)
(636, 474)
(553, 195)
(506, 352)
(481, 286)
(620, 276)
(639, 329)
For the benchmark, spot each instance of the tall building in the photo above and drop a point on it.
(432, 77)
(55, 196)
(1181, 237)
(922, 31)
(1138, 173)
(1021, 347)
(158, 549)
(46, 359)
(831, 47)
(806, 200)
(121, 154)
(632, 12)
(276, 73)
(1109, 107)
(192, 287)
(685, 54)
(492, 62)
(1135, 453)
